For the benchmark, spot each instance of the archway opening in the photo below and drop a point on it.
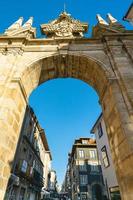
(80, 67)
(67, 110)
(84, 69)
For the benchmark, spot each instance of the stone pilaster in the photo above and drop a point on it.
(12, 110)
(117, 118)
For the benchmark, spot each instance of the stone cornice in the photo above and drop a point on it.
(23, 44)
(57, 40)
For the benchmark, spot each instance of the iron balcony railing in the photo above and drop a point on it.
(29, 173)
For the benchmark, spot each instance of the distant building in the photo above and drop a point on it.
(104, 153)
(46, 158)
(85, 173)
(52, 184)
(66, 186)
(32, 162)
(52, 180)
(129, 15)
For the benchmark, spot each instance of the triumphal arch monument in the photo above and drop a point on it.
(104, 61)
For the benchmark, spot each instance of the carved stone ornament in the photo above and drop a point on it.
(25, 30)
(64, 26)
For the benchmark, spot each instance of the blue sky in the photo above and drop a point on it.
(66, 108)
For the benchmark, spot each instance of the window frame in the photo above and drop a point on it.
(100, 130)
(104, 150)
(83, 167)
(84, 141)
(94, 168)
(92, 155)
(81, 153)
(83, 179)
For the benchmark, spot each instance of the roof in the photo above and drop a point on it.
(129, 14)
(78, 143)
(96, 123)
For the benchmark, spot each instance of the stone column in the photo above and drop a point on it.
(12, 109)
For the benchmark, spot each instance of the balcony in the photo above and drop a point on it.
(28, 172)
(35, 150)
(37, 178)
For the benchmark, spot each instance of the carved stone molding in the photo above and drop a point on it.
(14, 51)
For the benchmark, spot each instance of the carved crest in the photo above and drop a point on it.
(64, 26)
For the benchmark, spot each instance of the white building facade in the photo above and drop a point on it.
(129, 15)
(104, 152)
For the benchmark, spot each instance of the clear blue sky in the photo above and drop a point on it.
(66, 108)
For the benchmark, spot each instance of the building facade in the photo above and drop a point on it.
(86, 179)
(52, 184)
(30, 163)
(129, 15)
(104, 152)
(66, 185)
(52, 180)
(46, 158)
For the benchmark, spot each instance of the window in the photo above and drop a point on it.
(92, 154)
(24, 149)
(83, 179)
(100, 130)
(24, 166)
(115, 193)
(84, 141)
(94, 167)
(82, 166)
(105, 157)
(29, 129)
(81, 153)
(29, 156)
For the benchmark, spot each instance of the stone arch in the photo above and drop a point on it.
(76, 66)
(92, 71)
